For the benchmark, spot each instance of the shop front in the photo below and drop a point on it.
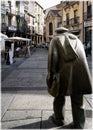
(11, 31)
(88, 36)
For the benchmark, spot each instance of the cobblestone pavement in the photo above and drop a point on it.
(25, 102)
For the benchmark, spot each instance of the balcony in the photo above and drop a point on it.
(3, 10)
(59, 23)
(87, 16)
(67, 23)
(71, 22)
(75, 21)
(10, 11)
(3, 27)
(68, 4)
(26, 1)
(74, 2)
(25, 7)
(19, 13)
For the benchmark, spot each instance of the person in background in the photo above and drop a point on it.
(7, 56)
(28, 48)
(17, 51)
(10, 56)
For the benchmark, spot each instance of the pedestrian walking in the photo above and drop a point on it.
(11, 56)
(7, 56)
(28, 48)
(18, 49)
(68, 75)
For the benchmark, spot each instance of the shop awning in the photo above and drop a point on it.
(2, 42)
(17, 39)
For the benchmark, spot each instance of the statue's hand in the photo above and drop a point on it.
(49, 80)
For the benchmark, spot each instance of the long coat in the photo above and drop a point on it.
(67, 64)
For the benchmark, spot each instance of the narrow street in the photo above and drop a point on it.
(25, 102)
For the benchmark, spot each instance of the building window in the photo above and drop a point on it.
(89, 10)
(9, 2)
(9, 21)
(50, 29)
(67, 19)
(3, 18)
(75, 17)
(67, 2)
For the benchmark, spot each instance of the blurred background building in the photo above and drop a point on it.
(73, 15)
(22, 18)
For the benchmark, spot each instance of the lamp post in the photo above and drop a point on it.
(18, 22)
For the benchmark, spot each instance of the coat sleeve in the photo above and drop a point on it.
(52, 61)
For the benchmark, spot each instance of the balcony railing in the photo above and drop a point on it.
(3, 11)
(10, 11)
(70, 3)
(67, 23)
(59, 23)
(26, 1)
(74, 2)
(75, 21)
(19, 13)
(87, 15)
(71, 22)
(25, 7)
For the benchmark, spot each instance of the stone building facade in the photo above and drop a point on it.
(22, 18)
(88, 20)
(72, 15)
(51, 22)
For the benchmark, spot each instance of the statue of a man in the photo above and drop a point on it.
(68, 75)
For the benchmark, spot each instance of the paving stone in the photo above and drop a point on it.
(25, 82)
(25, 85)
(22, 124)
(34, 93)
(47, 121)
(4, 66)
(32, 101)
(28, 82)
(11, 115)
(89, 99)
(88, 106)
(28, 70)
(38, 58)
(43, 64)
(88, 113)
(68, 104)
(89, 124)
(6, 99)
(26, 79)
(13, 74)
(31, 75)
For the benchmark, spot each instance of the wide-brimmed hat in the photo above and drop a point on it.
(61, 30)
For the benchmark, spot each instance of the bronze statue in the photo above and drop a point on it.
(68, 74)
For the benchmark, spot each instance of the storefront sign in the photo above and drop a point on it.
(12, 28)
(88, 23)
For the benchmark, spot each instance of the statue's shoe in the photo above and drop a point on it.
(58, 122)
